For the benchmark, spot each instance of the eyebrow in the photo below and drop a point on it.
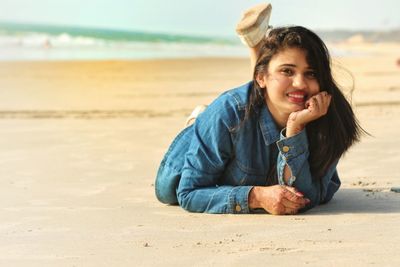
(293, 65)
(287, 65)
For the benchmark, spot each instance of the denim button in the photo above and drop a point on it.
(285, 149)
(238, 208)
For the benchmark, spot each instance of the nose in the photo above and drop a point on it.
(299, 82)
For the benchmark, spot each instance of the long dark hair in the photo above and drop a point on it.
(331, 135)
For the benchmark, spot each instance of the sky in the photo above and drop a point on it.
(205, 17)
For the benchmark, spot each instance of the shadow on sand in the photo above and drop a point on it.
(358, 200)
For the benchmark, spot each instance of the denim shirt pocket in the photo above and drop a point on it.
(237, 174)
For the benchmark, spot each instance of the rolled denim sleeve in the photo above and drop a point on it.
(293, 151)
(210, 151)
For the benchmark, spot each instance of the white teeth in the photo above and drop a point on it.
(296, 96)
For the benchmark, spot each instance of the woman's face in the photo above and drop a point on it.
(289, 83)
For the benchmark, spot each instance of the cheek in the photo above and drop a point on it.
(314, 87)
(278, 81)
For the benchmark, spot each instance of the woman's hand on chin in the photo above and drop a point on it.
(316, 107)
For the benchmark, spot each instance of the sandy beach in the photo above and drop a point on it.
(80, 146)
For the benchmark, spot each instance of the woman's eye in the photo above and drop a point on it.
(287, 72)
(311, 74)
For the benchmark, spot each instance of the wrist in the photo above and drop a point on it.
(254, 203)
(292, 129)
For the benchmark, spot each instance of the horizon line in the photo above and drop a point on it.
(171, 33)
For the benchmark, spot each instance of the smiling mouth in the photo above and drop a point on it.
(297, 97)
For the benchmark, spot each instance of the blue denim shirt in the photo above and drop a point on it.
(212, 165)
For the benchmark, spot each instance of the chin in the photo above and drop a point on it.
(297, 107)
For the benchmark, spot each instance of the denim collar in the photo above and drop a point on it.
(268, 127)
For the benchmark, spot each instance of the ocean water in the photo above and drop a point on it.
(42, 42)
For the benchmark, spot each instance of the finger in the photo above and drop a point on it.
(307, 103)
(279, 210)
(298, 193)
(323, 101)
(295, 191)
(314, 107)
(293, 197)
(310, 104)
(291, 205)
(328, 102)
(289, 211)
(326, 99)
(322, 108)
(320, 101)
(294, 205)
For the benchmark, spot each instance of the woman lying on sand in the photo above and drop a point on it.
(271, 144)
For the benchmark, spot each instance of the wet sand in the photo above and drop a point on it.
(81, 143)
